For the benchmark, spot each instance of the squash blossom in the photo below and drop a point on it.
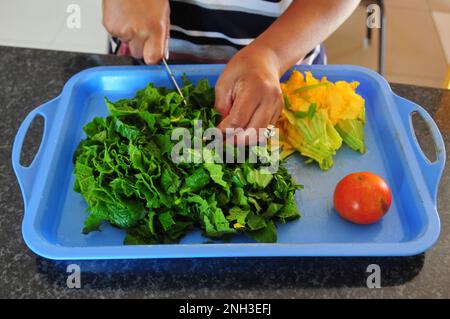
(318, 116)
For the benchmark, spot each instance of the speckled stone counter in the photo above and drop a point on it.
(30, 77)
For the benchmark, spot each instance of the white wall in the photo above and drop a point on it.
(43, 24)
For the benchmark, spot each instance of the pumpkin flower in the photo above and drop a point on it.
(318, 116)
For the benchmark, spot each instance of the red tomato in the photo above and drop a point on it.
(362, 198)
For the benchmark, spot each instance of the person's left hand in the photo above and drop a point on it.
(248, 93)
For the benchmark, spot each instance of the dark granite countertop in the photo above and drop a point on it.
(29, 78)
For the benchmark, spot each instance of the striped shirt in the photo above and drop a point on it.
(214, 30)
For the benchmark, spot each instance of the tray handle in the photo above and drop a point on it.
(26, 174)
(431, 171)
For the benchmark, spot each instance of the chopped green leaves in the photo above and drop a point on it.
(197, 180)
(124, 171)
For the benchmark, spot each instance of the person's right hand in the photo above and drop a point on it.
(142, 24)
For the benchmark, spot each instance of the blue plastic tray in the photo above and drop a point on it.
(54, 213)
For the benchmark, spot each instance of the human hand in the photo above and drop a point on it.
(248, 93)
(142, 24)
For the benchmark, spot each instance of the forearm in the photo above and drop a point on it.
(305, 24)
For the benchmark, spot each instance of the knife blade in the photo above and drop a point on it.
(174, 81)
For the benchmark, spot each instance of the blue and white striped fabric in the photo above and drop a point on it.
(217, 29)
(214, 30)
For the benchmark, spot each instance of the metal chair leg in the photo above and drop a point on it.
(382, 39)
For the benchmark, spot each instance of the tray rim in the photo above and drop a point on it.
(42, 247)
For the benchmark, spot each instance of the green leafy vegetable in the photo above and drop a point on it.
(124, 171)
